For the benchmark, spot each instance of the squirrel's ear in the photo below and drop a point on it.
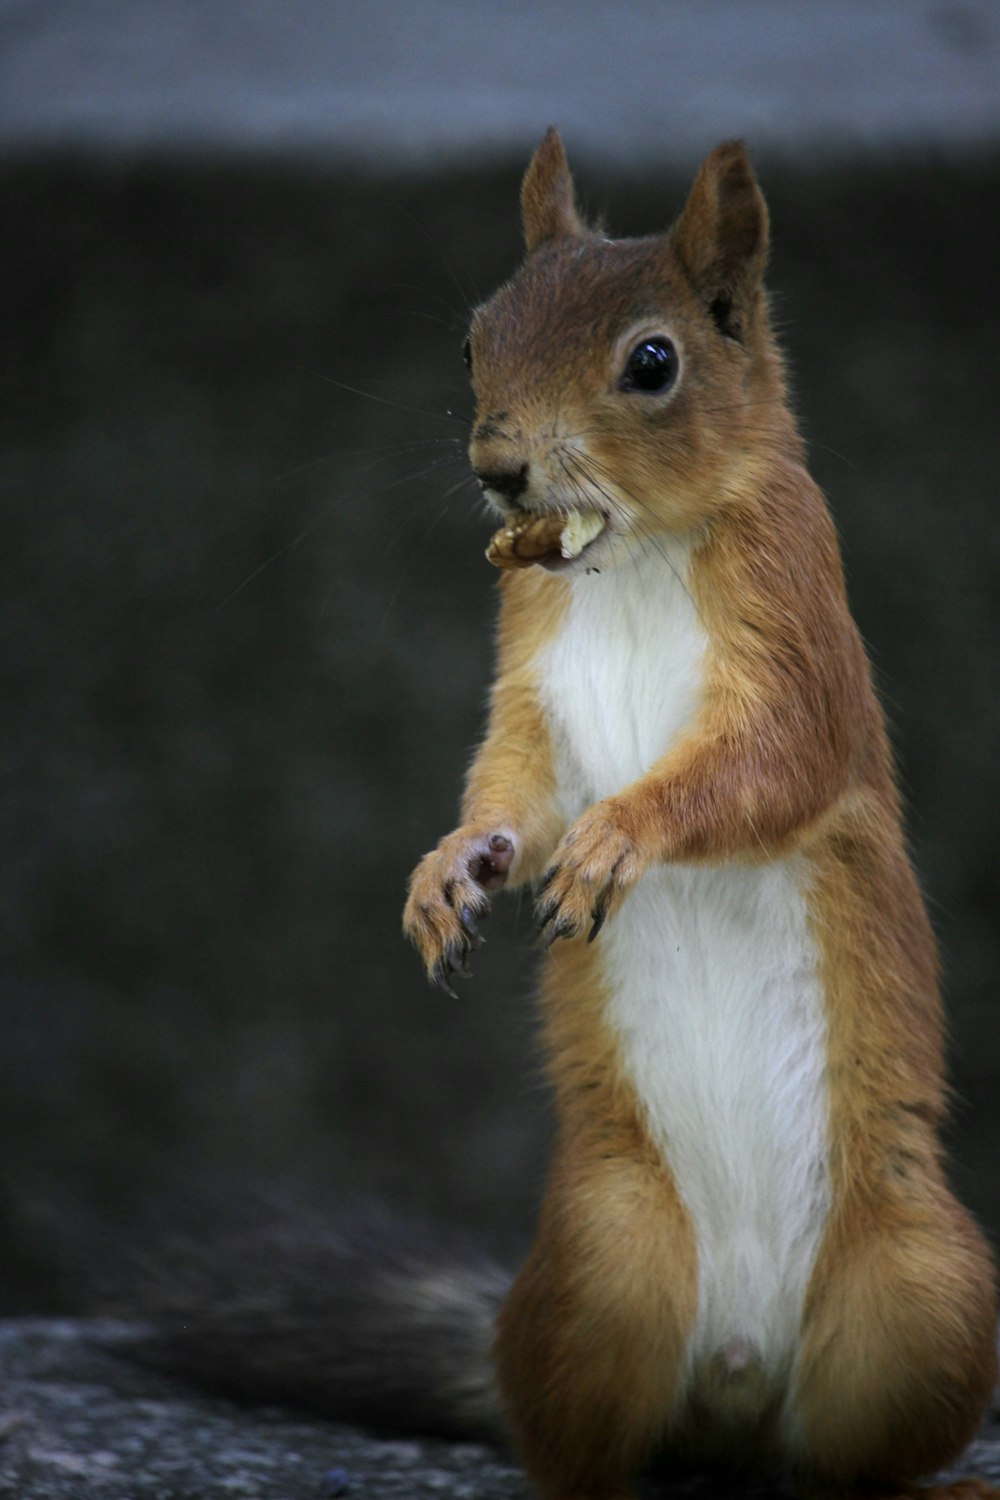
(548, 204)
(721, 235)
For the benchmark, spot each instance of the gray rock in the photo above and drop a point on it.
(76, 1421)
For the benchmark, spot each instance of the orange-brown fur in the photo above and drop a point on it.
(787, 752)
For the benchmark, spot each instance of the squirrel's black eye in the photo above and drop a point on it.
(651, 367)
(467, 354)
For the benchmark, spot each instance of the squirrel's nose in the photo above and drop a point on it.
(510, 483)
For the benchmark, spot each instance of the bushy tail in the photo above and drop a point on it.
(360, 1318)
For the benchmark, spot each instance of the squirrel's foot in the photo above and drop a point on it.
(593, 868)
(448, 897)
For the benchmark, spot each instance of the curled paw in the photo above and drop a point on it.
(448, 897)
(597, 862)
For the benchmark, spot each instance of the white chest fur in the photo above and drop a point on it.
(712, 980)
(624, 675)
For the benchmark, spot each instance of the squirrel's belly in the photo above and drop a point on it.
(713, 988)
(716, 1001)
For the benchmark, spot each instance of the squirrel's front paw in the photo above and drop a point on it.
(597, 862)
(448, 895)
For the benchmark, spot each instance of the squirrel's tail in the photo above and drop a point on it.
(361, 1318)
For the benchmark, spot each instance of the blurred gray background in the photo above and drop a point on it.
(246, 619)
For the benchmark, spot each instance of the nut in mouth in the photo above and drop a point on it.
(526, 539)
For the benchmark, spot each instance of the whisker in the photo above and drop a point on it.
(824, 448)
(452, 325)
(384, 400)
(411, 519)
(591, 468)
(457, 319)
(397, 385)
(385, 450)
(427, 532)
(465, 479)
(251, 577)
(450, 457)
(437, 463)
(618, 510)
(403, 446)
(460, 289)
(284, 552)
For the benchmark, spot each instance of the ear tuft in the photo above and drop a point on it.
(721, 235)
(548, 202)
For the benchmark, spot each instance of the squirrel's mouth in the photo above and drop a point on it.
(553, 540)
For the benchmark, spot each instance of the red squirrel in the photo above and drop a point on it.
(747, 1252)
(747, 1247)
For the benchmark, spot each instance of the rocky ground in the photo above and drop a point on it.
(78, 1423)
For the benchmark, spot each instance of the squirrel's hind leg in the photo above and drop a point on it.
(591, 1341)
(898, 1353)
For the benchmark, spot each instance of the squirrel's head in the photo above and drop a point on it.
(632, 377)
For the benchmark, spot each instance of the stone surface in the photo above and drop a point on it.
(78, 1422)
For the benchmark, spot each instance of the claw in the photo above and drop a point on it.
(468, 919)
(599, 913)
(564, 929)
(546, 913)
(547, 878)
(439, 977)
(456, 957)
